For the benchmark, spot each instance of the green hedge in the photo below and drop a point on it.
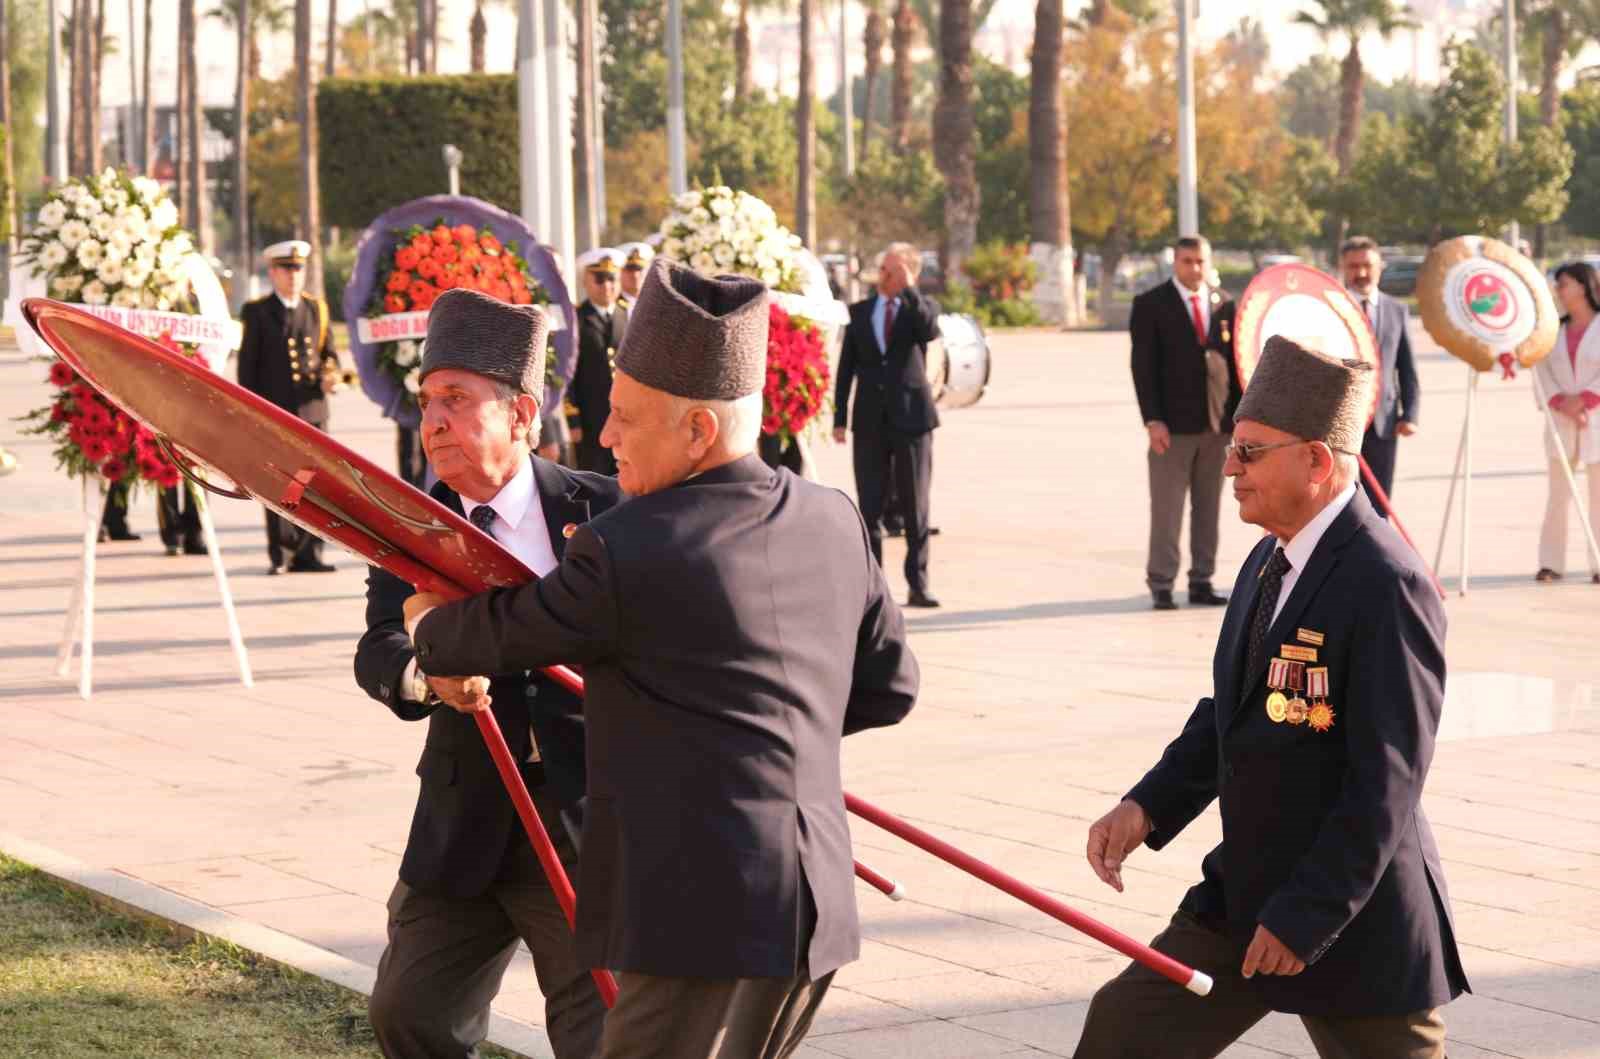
(380, 140)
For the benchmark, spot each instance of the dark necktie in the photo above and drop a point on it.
(888, 321)
(483, 517)
(1266, 604)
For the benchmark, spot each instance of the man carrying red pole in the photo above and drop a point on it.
(1326, 898)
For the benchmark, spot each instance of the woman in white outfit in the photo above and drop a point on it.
(1570, 376)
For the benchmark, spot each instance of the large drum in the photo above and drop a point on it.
(958, 362)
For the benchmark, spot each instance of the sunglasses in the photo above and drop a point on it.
(1248, 454)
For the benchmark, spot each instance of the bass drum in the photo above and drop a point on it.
(958, 362)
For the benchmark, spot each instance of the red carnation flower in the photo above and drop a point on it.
(95, 449)
(168, 477)
(113, 470)
(422, 245)
(394, 303)
(61, 376)
(490, 244)
(520, 296)
(428, 267)
(398, 280)
(58, 413)
(447, 253)
(466, 234)
(406, 258)
(441, 235)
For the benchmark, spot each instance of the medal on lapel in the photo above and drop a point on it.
(1321, 714)
(1278, 681)
(568, 530)
(1295, 710)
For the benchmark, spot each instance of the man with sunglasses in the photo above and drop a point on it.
(287, 357)
(1325, 898)
(601, 322)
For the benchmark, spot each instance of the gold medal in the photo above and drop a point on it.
(569, 529)
(1295, 711)
(1321, 717)
(1277, 707)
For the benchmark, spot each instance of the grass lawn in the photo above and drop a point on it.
(77, 979)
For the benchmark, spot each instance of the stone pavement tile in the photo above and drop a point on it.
(1578, 996)
(933, 1039)
(846, 1009)
(361, 870)
(1074, 979)
(882, 963)
(1054, 1029)
(225, 881)
(962, 993)
(1280, 1034)
(334, 921)
(1516, 1029)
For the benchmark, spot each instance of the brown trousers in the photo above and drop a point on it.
(446, 957)
(1140, 1015)
(710, 1018)
(1192, 469)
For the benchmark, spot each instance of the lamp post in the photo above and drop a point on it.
(677, 166)
(452, 162)
(1188, 205)
(1513, 230)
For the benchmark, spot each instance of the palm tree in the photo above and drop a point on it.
(478, 33)
(872, 42)
(1353, 19)
(902, 31)
(241, 144)
(267, 17)
(1048, 205)
(805, 202)
(193, 121)
(954, 133)
(310, 227)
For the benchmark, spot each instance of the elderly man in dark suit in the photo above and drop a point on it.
(1182, 385)
(885, 348)
(602, 320)
(732, 626)
(1399, 399)
(1326, 897)
(287, 356)
(470, 887)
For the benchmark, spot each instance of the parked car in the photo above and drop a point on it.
(1400, 276)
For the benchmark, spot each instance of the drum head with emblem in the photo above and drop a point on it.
(1480, 299)
(1308, 306)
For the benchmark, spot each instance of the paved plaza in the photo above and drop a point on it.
(1048, 687)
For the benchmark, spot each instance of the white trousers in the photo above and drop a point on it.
(1553, 535)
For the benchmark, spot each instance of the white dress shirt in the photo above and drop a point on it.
(1188, 307)
(1298, 551)
(287, 304)
(877, 320)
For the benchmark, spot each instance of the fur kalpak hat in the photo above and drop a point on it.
(1309, 394)
(696, 337)
(474, 332)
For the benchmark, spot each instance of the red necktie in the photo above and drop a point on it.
(1199, 322)
(888, 321)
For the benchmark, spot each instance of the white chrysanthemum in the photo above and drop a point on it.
(114, 199)
(164, 215)
(135, 273)
(171, 254)
(413, 380)
(51, 214)
(699, 216)
(72, 233)
(722, 207)
(88, 206)
(111, 273)
(146, 252)
(94, 293)
(724, 255)
(102, 226)
(148, 189)
(687, 201)
(65, 286)
(119, 247)
(126, 298)
(702, 262)
(131, 219)
(53, 255)
(407, 353)
(90, 253)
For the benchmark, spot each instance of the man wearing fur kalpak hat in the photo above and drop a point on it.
(1326, 898)
(470, 888)
(731, 624)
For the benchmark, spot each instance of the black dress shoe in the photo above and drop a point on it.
(194, 547)
(274, 569)
(117, 535)
(1163, 599)
(921, 599)
(1546, 574)
(933, 531)
(893, 529)
(1203, 596)
(311, 566)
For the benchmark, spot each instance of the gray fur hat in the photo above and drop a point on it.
(697, 337)
(469, 330)
(1310, 395)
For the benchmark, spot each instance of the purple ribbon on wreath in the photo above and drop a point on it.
(380, 240)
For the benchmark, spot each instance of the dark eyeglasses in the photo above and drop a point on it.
(1247, 454)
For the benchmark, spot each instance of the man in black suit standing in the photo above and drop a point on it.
(1399, 399)
(470, 887)
(1182, 386)
(885, 348)
(287, 357)
(732, 626)
(1326, 897)
(601, 323)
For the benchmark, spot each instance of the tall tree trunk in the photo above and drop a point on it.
(8, 170)
(328, 69)
(433, 36)
(132, 159)
(147, 109)
(423, 66)
(1048, 218)
(83, 125)
(743, 79)
(241, 147)
(805, 200)
(583, 132)
(310, 227)
(901, 33)
(954, 133)
(1350, 85)
(1555, 48)
(97, 44)
(180, 135)
(872, 42)
(479, 33)
(194, 120)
